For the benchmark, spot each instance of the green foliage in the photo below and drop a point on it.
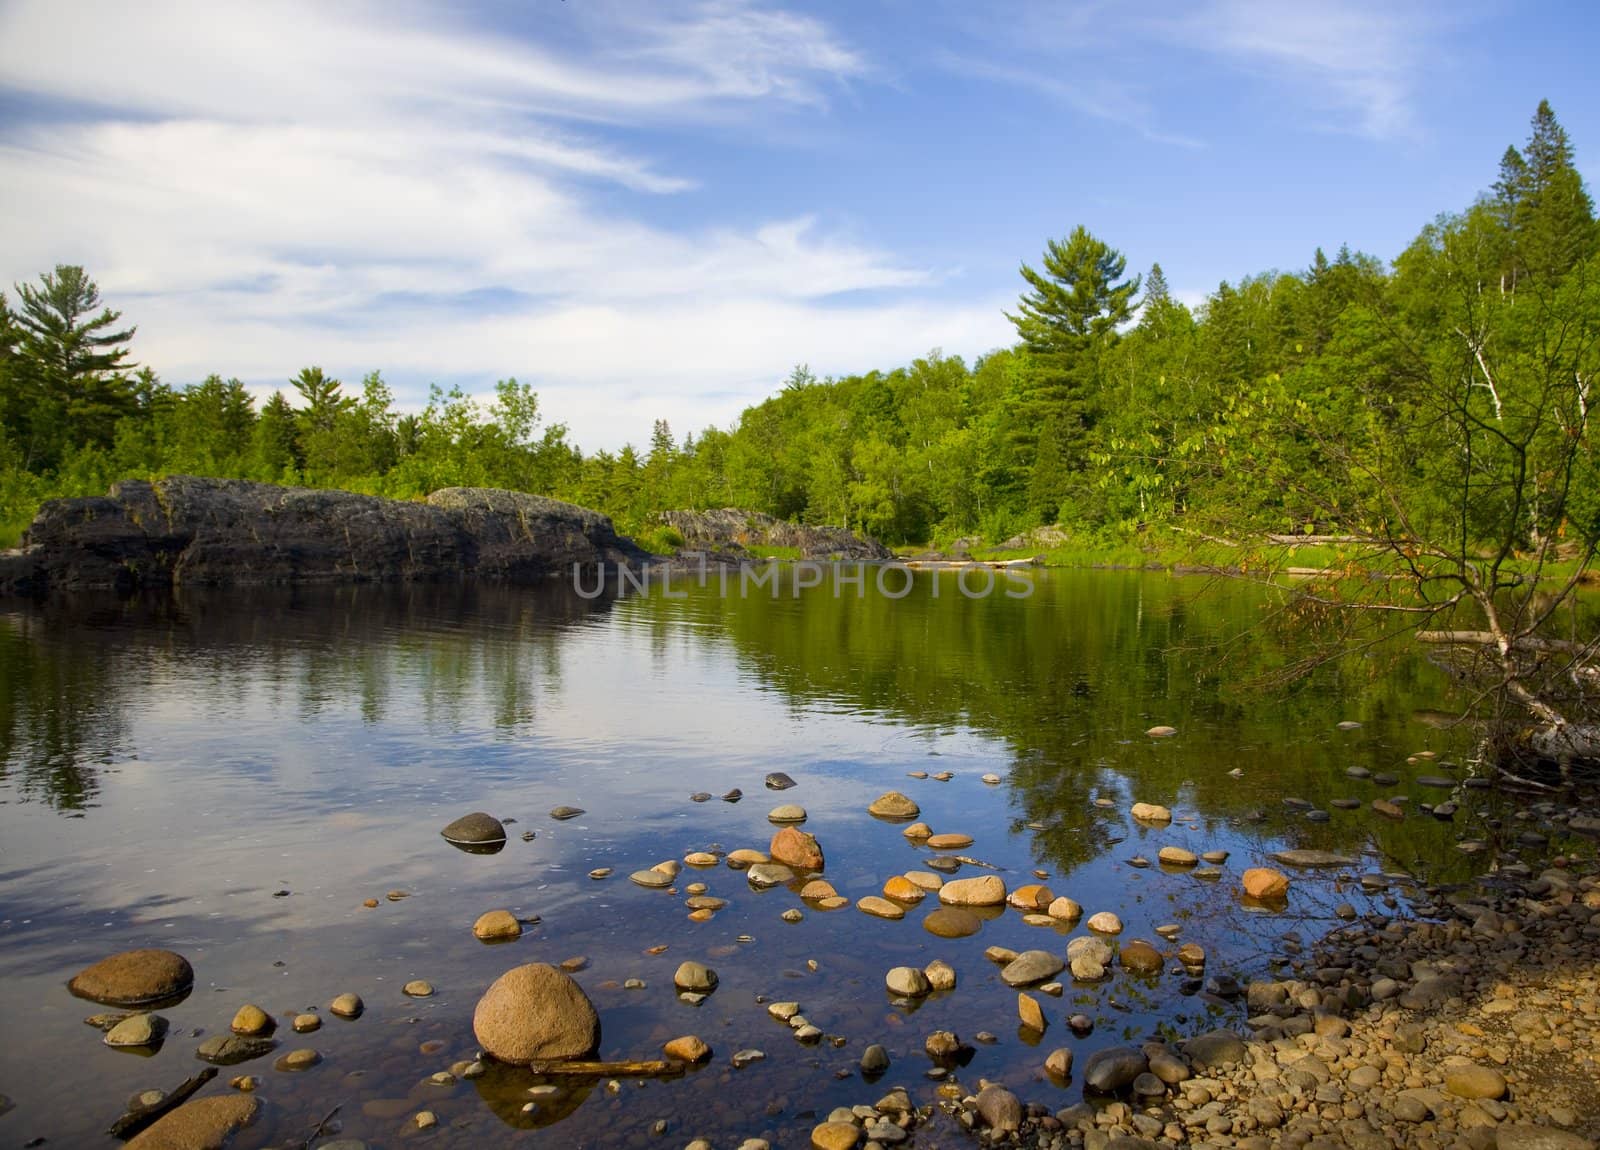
(1446, 396)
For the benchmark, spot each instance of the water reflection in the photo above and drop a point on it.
(223, 749)
(72, 668)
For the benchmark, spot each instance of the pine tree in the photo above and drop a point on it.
(1066, 320)
(1508, 208)
(1048, 482)
(73, 364)
(1159, 315)
(12, 398)
(275, 448)
(1557, 224)
(324, 398)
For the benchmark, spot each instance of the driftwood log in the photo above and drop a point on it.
(626, 1068)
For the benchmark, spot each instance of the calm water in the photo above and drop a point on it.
(168, 767)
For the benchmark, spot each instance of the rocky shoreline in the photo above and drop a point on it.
(1470, 1019)
(183, 530)
(1477, 1026)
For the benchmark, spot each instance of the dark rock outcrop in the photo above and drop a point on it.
(733, 530)
(184, 530)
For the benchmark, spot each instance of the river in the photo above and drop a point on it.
(233, 775)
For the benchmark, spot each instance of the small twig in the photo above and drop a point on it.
(318, 1130)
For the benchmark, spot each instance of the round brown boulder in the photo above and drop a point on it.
(796, 849)
(535, 1012)
(952, 922)
(135, 978)
(1141, 957)
(204, 1124)
(894, 805)
(497, 926)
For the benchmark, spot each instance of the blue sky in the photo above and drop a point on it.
(657, 209)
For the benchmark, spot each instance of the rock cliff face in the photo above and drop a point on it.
(731, 529)
(184, 530)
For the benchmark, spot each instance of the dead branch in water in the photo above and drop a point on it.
(627, 1068)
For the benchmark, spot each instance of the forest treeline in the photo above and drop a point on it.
(1443, 392)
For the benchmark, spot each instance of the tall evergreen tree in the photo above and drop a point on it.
(1066, 319)
(74, 365)
(1049, 482)
(275, 448)
(1557, 217)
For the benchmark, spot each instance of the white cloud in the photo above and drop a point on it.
(264, 186)
(1351, 64)
(1354, 61)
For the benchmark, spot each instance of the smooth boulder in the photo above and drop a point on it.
(1113, 1069)
(1000, 1109)
(894, 805)
(1140, 957)
(985, 890)
(135, 978)
(476, 829)
(908, 982)
(696, 977)
(1031, 966)
(535, 1012)
(497, 926)
(138, 1030)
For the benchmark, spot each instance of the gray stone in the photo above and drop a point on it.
(1215, 1050)
(1471, 1081)
(1525, 1137)
(138, 1030)
(476, 829)
(1031, 966)
(1000, 1109)
(229, 531)
(696, 977)
(230, 1049)
(1312, 858)
(907, 981)
(1110, 1070)
(765, 875)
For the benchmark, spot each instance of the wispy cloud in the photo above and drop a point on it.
(1100, 97)
(1352, 63)
(261, 186)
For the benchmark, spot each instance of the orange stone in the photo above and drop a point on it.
(1033, 897)
(902, 889)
